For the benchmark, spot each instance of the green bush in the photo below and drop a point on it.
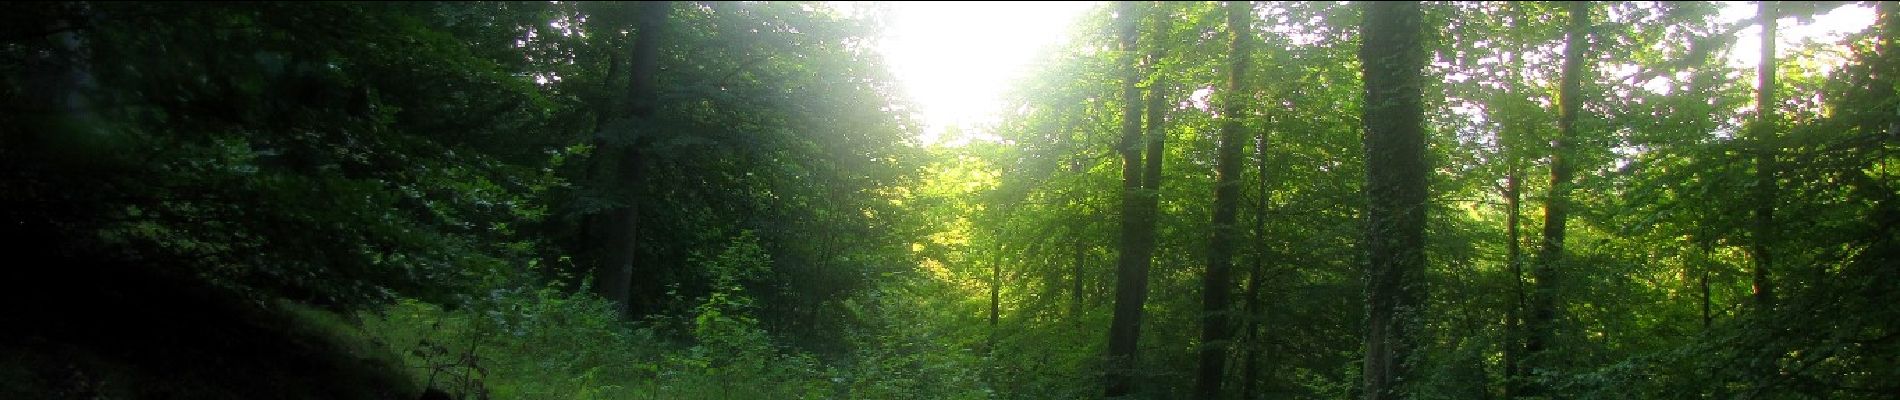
(546, 342)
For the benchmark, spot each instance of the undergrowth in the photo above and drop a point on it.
(547, 342)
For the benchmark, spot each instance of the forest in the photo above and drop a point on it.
(733, 200)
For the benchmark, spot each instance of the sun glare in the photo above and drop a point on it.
(956, 59)
(1830, 27)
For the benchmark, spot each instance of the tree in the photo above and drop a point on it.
(1393, 58)
(1766, 188)
(1514, 261)
(1131, 268)
(619, 161)
(1217, 279)
(1256, 276)
(1550, 255)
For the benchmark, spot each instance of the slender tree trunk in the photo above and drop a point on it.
(1131, 267)
(1709, 319)
(601, 168)
(1078, 267)
(996, 291)
(1765, 167)
(1514, 258)
(1250, 374)
(1887, 59)
(610, 106)
(1393, 60)
(1510, 138)
(1251, 339)
(1080, 263)
(1217, 282)
(614, 276)
(1157, 137)
(1557, 201)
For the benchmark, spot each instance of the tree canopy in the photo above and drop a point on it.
(1213, 200)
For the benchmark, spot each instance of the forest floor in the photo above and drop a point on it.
(106, 331)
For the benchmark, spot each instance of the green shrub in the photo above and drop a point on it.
(545, 342)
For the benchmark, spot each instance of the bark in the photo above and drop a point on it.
(1217, 281)
(1251, 370)
(1075, 282)
(1080, 263)
(996, 292)
(1393, 59)
(601, 169)
(1709, 319)
(1765, 167)
(1511, 137)
(1156, 140)
(1543, 312)
(1131, 267)
(1888, 59)
(610, 104)
(614, 275)
(1514, 258)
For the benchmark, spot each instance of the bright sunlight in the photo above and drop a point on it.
(957, 58)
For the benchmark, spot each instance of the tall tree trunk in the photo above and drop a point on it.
(1256, 277)
(1765, 186)
(1079, 263)
(1250, 374)
(1217, 282)
(1709, 319)
(1393, 59)
(996, 291)
(1157, 137)
(1514, 258)
(1557, 200)
(614, 275)
(1078, 267)
(610, 104)
(1887, 59)
(1131, 266)
(1511, 137)
(600, 168)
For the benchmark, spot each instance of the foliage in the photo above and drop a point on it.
(223, 176)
